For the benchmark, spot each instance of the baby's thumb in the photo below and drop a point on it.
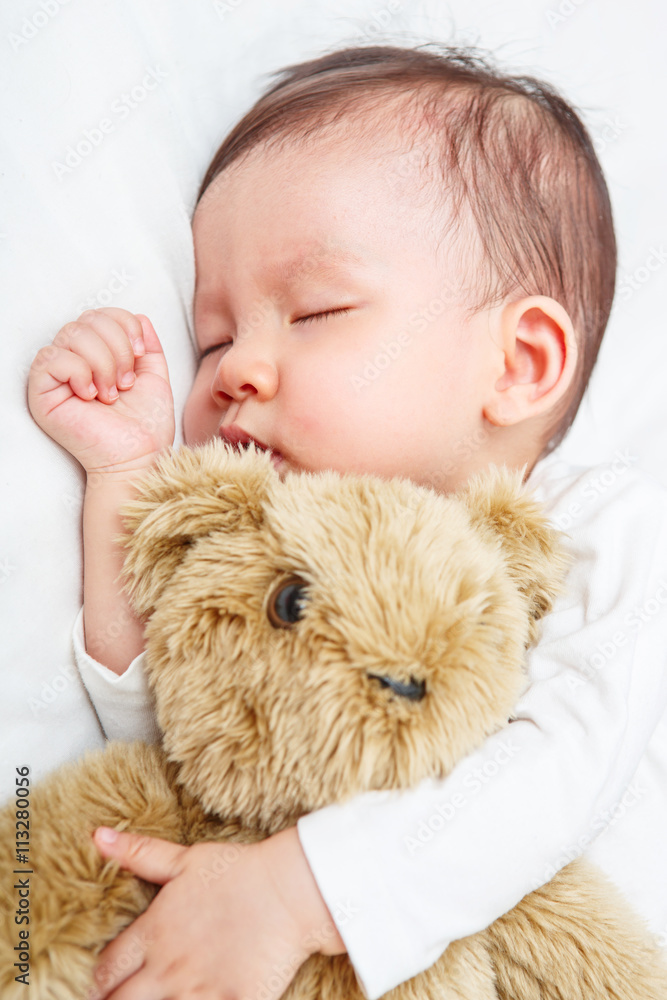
(150, 858)
(153, 360)
(148, 331)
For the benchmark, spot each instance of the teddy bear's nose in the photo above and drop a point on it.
(413, 690)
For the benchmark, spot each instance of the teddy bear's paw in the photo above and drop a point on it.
(463, 972)
(66, 974)
(576, 938)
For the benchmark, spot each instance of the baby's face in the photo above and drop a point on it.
(331, 329)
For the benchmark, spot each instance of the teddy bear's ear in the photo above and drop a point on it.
(189, 494)
(498, 501)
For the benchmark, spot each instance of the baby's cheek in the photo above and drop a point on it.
(201, 418)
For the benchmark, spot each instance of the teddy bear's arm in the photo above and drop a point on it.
(575, 937)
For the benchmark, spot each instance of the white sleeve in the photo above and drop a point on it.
(406, 873)
(124, 703)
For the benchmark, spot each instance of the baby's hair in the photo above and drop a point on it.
(514, 162)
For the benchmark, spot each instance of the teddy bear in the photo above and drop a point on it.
(311, 636)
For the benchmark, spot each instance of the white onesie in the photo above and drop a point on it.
(583, 766)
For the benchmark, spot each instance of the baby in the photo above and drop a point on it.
(405, 263)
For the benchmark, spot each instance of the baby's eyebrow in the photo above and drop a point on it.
(315, 262)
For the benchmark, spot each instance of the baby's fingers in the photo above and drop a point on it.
(106, 348)
(120, 959)
(129, 322)
(55, 367)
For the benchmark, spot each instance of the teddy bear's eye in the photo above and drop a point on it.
(413, 690)
(287, 602)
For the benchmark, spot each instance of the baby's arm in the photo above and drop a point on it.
(101, 390)
(417, 869)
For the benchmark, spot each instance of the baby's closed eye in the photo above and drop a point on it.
(323, 315)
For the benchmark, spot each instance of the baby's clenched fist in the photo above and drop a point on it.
(95, 386)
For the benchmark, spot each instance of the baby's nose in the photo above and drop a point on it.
(243, 372)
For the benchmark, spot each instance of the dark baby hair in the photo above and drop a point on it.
(514, 162)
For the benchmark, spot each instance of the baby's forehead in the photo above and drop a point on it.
(399, 172)
(373, 131)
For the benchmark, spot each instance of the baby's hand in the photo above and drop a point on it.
(101, 390)
(231, 921)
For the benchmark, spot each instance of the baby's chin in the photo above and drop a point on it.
(193, 438)
(279, 463)
(284, 466)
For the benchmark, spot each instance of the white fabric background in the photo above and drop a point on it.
(114, 229)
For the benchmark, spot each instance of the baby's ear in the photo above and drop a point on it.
(189, 494)
(499, 502)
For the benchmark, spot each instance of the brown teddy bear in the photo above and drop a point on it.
(310, 637)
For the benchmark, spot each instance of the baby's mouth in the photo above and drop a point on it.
(276, 457)
(240, 440)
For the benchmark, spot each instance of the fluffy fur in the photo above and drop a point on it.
(263, 723)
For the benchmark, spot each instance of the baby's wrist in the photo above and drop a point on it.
(121, 473)
(301, 896)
